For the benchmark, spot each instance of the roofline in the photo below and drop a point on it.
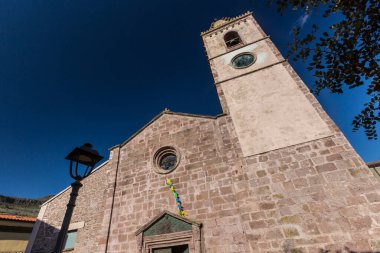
(59, 193)
(166, 111)
(18, 218)
(373, 164)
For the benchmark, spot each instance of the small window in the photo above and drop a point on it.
(70, 240)
(165, 160)
(232, 39)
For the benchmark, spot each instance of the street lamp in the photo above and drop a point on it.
(82, 162)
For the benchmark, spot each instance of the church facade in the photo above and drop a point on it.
(272, 173)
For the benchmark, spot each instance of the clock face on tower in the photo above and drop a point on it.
(243, 60)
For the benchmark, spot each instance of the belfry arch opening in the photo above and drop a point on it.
(232, 39)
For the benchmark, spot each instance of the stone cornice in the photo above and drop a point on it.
(228, 21)
(250, 72)
(237, 48)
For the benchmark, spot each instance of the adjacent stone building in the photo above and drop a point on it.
(272, 173)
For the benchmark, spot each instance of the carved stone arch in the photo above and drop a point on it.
(169, 230)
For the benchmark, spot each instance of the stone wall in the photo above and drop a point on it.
(204, 180)
(215, 45)
(314, 195)
(89, 209)
(319, 195)
(306, 197)
(302, 198)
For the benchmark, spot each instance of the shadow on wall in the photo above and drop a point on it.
(45, 239)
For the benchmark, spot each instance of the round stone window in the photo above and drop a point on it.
(165, 160)
(243, 60)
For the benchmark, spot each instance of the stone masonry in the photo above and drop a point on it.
(89, 204)
(305, 197)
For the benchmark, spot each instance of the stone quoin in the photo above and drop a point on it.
(272, 173)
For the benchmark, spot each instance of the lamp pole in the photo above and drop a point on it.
(66, 220)
(84, 156)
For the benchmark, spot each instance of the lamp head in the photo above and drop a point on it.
(85, 156)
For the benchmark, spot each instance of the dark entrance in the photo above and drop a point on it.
(174, 249)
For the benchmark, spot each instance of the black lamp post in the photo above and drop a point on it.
(82, 162)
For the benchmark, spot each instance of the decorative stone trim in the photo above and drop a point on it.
(265, 67)
(237, 48)
(77, 225)
(146, 244)
(72, 226)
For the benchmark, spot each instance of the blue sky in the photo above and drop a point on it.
(98, 70)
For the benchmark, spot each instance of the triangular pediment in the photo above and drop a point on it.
(167, 223)
(170, 114)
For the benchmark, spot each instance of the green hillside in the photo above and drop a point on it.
(21, 206)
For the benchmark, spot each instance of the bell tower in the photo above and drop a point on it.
(270, 106)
